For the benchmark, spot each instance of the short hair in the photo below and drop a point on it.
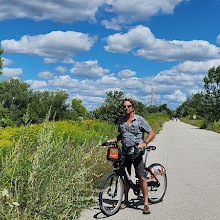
(129, 100)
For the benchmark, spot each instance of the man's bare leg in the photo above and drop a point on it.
(144, 189)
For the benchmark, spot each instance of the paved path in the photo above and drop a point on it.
(192, 159)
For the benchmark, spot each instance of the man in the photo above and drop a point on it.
(131, 129)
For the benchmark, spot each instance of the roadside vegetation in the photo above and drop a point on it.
(204, 106)
(53, 170)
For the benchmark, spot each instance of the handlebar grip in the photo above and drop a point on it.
(110, 143)
(151, 148)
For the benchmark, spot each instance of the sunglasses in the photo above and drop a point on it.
(128, 106)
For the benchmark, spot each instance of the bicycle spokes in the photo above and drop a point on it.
(157, 183)
(111, 193)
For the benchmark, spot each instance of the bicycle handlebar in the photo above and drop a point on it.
(110, 143)
(148, 148)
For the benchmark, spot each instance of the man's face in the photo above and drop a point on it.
(127, 107)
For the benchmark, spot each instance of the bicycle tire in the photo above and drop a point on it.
(156, 191)
(111, 193)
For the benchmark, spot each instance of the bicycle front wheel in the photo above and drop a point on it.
(157, 183)
(111, 193)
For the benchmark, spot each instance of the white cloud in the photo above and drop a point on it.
(56, 44)
(61, 11)
(170, 77)
(131, 11)
(68, 61)
(132, 83)
(6, 62)
(88, 69)
(126, 73)
(177, 96)
(45, 75)
(12, 72)
(120, 11)
(218, 39)
(61, 69)
(50, 60)
(108, 80)
(36, 84)
(196, 67)
(149, 47)
(63, 81)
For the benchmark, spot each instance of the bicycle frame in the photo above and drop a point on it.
(112, 189)
(122, 171)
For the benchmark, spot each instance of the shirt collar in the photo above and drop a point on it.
(135, 117)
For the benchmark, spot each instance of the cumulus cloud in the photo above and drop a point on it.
(108, 80)
(143, 43)
(6, 62)
(49, 60)
(61, 11)
(170, 77)
(61, 69)
(120, 12)
(177, 95)
(12, 72)
(127, 12)
(196, 67)
(56, 44)
(45, 75)
(36, 84)
(126, 73)
(68, 61)
(63, 82)
(88, 69)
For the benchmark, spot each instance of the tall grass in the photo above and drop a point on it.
(213, 126)
(52, 179)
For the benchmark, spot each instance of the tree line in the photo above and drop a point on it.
(19, 102)
(206, 104)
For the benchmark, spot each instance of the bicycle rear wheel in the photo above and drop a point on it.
(156, 186)
(111, 193)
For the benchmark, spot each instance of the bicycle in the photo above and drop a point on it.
(112, 188)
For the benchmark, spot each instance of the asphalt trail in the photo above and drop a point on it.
(191, 157)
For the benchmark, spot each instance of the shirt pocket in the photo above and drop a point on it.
(133, 128)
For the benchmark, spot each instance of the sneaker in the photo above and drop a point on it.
(124, 205)
(146, 209)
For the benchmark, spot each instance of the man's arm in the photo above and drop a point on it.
(150, 136)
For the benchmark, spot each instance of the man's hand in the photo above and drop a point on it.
(142, 145)
(112, 140)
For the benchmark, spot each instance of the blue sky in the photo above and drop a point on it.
(91, 47)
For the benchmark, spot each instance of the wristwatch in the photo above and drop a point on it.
(145, 142)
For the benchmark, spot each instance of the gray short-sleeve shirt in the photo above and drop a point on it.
(134, 133)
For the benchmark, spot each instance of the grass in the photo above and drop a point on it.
(53, 170)
(213, 126)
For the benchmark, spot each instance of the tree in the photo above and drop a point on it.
(141, 109)
(14, 96)
(205, 104)
(111, 109)
(4, 118)
(212, 95)
(79, 111)
(1, 62)
(164, 109)
(43, 102)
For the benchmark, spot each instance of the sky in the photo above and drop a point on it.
(89, 48)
